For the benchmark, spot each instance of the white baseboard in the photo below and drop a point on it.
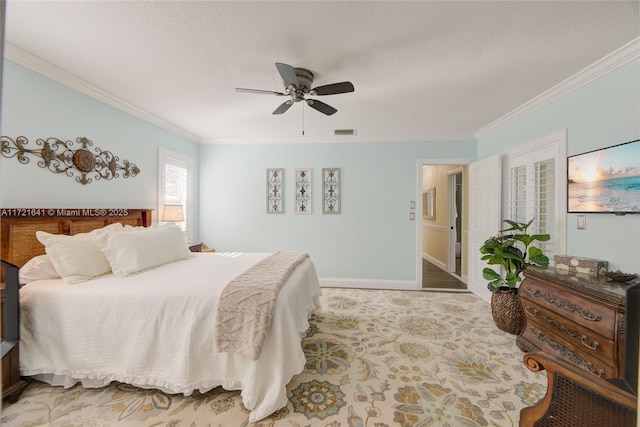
(398, 285)
(434, 261)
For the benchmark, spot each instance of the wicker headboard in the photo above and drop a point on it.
(19, 226)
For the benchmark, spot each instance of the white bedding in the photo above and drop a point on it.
(156, 330)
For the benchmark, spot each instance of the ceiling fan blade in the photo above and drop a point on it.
(334, 88)
(288, 74)
(283, 107)
(321, 106)
(266, 92)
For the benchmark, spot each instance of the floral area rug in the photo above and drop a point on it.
(375, 358)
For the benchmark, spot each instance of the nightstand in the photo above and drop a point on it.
(195, 247)
(12, 384)
(199, 247)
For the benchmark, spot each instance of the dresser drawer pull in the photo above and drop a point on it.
(589, 367)
(588, 316)
(533, 313)
(536, 313)
(594, 346)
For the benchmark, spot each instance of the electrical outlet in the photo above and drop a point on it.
(412, 216)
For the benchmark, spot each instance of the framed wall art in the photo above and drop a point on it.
(275, 188)
(429, 203)
(331, 192)
(303, 197)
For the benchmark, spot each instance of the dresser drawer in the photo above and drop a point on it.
(580, 310)
(550, 344)
(574, 336)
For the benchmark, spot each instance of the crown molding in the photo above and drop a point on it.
(616, 59)
(57, 74)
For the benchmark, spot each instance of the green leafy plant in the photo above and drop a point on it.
(511, 249)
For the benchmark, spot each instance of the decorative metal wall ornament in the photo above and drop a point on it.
(61, 157)
(303, 191)
(275, 185)
(331, 191)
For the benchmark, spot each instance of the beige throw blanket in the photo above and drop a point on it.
(245, 308)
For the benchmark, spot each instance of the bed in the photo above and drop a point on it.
(158, 327)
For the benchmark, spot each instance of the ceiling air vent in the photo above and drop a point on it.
(344, 132)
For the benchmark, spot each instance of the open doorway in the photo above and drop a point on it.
(454, 257)
(442, 227)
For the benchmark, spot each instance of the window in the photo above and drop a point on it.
(175, 186)
(535, 188)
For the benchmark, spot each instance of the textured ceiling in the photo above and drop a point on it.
(422, 70)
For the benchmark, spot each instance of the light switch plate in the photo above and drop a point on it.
(582, 222)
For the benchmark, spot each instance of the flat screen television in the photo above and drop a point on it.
(605, 180)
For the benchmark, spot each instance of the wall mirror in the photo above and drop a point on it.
(429, 203)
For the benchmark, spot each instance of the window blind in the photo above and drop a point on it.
(175, 188)
(532, 194)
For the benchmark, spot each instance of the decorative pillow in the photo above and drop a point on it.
(137, 250)
(77, 258)
(37, 268)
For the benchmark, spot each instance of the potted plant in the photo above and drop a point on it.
(512, 250)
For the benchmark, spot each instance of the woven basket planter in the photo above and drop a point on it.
(507, 311)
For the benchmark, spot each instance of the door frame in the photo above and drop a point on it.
(451, 256)
(418, 233)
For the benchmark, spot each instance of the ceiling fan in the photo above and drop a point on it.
(297, 85)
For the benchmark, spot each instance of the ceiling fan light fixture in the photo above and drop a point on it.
(297, 84)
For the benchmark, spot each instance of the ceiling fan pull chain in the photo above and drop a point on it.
(303, 118)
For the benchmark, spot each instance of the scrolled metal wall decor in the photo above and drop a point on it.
(61, 157)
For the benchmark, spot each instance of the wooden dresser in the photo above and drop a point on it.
(575, 317)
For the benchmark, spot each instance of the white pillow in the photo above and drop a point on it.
(137, 250)
(77, 258)
(37, 268)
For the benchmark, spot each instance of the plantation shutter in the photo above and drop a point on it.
(530, 192)
(176, 179)
(545, 192)
(517, 201)
(175, 186)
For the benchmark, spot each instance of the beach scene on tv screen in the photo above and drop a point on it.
(606, 180)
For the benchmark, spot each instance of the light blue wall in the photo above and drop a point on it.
(605, 112)
(37, 107)
(372, 238)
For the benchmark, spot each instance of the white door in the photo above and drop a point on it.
(484, 217)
